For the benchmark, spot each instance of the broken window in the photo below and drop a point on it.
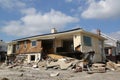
(34, 43)
(68, 46)
(48, 46)
(32, 57)
(87, 41)
(106, 51)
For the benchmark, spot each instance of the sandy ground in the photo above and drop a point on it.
(27, 73)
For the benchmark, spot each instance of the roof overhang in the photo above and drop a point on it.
(64, 34)
(51, 36)
(93, 34)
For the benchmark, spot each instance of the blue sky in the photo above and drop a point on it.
(21, 18)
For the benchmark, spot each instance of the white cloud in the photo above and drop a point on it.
(11, 4)
(102, 9)
(28, 11)
(37, 23)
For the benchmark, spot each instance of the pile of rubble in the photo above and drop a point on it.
(65, 63)
(75, 65)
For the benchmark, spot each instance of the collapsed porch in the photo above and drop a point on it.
(59, 45)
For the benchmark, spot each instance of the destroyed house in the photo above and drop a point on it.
(58, 43)
(112, 48)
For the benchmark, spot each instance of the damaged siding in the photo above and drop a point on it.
(77, 40)
(28, 48)
(94, 46)
(10, 49)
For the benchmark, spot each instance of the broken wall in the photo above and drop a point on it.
(95, 45)
(10, 49)
(77, 40)
(37, 57)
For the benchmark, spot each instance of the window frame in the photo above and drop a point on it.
(32, 43)
(31, 59)
(87, 40)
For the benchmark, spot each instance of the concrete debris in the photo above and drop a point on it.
(21, 75)
(111, 66)
(21, 70)
(11, 66)
(78, 66)
(51, 64)
(54, 56)
(35, 66)
(54, 74)
(98, 65)
(97, 68)
(78, 69)
(3, 65)
(4, 79)
(118, 67)
(62, 63)
(42, 64)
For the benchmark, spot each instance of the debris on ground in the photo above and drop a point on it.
(35, 66)
(53, 74)
(64, 63)
(111, 65)
(4, 79)
(21, 75)
(61, 63)
(55, 56)
(98, 68)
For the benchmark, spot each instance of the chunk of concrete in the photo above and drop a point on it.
(99, 70)
(78, 69)
(42, 64)
(54, 74)
(21, 75)
(55, 56)
(52, 64)
(111, 66)
(35, 66)
(61, 63)
(4, 79)
(118, 67)
(64, 65)
(98, 65)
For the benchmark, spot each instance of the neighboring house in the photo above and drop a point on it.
(112, 47)
(3, 50)
(58, 43)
